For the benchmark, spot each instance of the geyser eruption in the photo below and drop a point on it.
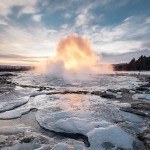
(74, 55)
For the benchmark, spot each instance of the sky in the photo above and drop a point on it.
(31, 29)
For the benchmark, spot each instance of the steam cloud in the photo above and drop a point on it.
(74, 55)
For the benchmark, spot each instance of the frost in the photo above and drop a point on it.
(112, 134)
(23, 137)
(39, 93)
(123, 105)
(97, 132)
(14, 113)
(5, 106)
(76, 125)
(131, 91)
(117, 95)
(49, 120)
(141, 97)
(70, 145)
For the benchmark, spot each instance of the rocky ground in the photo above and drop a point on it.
(49, 116)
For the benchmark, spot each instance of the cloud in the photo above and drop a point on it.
(35, 41)
(19, 59)
(40, 41)
(67, 15)
(131, 34)
(7, 5)
(29, 35)
(83, 15)
(64, 26)
(147, 20)
(37, 17)
(3, 21)
(29, 10)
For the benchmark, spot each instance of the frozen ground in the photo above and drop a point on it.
(101, 112)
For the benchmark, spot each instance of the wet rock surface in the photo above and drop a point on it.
(93, 115)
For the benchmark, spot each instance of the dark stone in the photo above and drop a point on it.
(7, 74)
(141, 106)
(142, 89)
(27, 139)
(75, 92)
(99, 93)
(107, 96)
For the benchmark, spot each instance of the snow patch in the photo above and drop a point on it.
(141, 97)
(14, 113)
(112, 134)
(117, 95)
(123, 105)
(5, 106)
(97, 132)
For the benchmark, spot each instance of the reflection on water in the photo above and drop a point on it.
(72, 101)
(75, 100)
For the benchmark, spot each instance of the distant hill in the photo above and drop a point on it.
(141, 64)
(15, 68)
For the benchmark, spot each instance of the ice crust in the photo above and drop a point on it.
(83, 123)
(89, 115)
(141, 97)
(5, 106)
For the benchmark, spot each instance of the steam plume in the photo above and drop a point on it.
(74, 54)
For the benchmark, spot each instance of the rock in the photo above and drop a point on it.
(27, 139)
(7, 74)
(99, 93)
(75, 92)
(142, 89)
(142, 106)
(108, 96)
(144, 136)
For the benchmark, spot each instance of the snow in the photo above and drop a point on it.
(131, 117)
(76, 125)
(5, 106)
(117, 95)
(76, 145)
(62, 146)
(123, 105)
(141, 97)
(134, 72)
(39, 93)
(20, 128)
(48, 120)
(81, 122)
(131, 91)
(14, 113)
(112, 134)
(2, 138)
(89, 115)
(18, 133)
(106, 81)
